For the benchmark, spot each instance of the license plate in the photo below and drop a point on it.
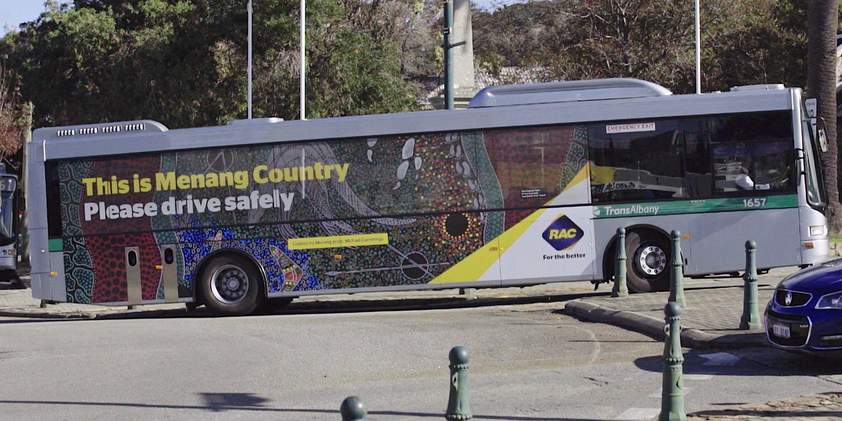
(780, 330)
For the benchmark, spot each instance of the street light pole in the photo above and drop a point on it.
(303, 58)
(448, 54)
(248, 7)
(698, 51)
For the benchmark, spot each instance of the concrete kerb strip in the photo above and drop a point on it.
(92, 315)
(654, 328)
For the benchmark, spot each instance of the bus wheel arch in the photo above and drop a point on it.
(648, 257)
(230, 282)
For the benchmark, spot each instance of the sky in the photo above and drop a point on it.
(15, 12)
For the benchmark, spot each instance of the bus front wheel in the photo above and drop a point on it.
(647, 262)
(231, 285)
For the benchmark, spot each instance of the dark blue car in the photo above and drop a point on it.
(805, 313)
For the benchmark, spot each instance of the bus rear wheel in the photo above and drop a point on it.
(647, 262)
(231, 285)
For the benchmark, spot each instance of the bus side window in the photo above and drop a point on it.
(752, 152)
(641, 163)
(697, 168)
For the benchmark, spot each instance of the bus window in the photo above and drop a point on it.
(697, 164)
(636, 161)
(752, 153)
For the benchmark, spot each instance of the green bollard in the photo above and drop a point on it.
(677, 274)
(672, 394)
(458, 408)
(620, 288)
(751, 315)
(353, 409)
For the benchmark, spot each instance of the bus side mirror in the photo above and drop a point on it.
(821, 134)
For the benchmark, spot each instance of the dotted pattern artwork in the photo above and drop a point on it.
(438, 196)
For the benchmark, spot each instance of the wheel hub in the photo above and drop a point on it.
(229, 284)
(651, 260)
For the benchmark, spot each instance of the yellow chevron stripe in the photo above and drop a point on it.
(471, 268)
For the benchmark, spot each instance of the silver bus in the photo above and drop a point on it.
(526, 186)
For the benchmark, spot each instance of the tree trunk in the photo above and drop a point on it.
(822, 21)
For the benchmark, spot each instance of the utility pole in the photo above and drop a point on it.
(248, 7)
(303, 59)
(448, 54)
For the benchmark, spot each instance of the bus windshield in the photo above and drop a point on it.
(7, 209)
(816, 195)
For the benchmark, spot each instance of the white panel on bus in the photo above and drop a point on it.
(35, 285)
(557, 245)
(57, 286)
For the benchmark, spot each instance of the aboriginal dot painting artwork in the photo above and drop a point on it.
(315, 216)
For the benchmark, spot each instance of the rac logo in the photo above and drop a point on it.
(563, 234)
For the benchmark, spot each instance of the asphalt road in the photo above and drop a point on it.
(528, 362)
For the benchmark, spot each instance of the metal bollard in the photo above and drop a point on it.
(751, 314)
(672, 394)
(677, 274)
(620, 289)
(353, 409)
(458, 408)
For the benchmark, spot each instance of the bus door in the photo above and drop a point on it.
(553, 244)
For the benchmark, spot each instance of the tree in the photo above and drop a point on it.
(182, 62)
(11, 138)
(746, 42)
(823, 21)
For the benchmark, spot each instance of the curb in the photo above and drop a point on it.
(106, 315)
(654, 328)
(54, 316)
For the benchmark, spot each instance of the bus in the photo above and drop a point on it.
(527, 186)
(8, 226)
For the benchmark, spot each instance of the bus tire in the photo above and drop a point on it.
(232, 285)
(647, 261)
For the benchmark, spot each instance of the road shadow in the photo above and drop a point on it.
(250, 402)
(747, 362)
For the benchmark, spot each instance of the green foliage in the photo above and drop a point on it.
(746, 42)
(10, 114)
(183, 62)
(352, 67)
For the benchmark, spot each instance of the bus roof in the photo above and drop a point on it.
(565, 91)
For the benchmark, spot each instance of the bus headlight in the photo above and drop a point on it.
(818, 230)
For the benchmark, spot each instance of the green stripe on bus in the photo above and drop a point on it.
(56, 244)
(696, 206)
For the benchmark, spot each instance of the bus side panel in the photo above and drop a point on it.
(39, 261)
(95, 268)
(399, 252)
(553, 244)
(722, 249)
(36, 196)
(393, 212)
